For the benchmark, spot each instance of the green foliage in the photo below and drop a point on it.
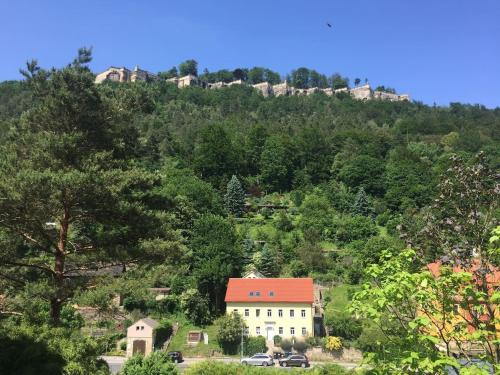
(234, 198)
(215, 157)
(352, 228)
(363, 171)
(277, 339)
(195, 307)
(275, 165)
(253, 345)
(345, 327)
(44, 350)
(361, 204)
(286, 345)
(76, 174)
(216, 257)
(268, 264)
(398, 290)
(71, 318)
(163, 332)
(229, 331)
(157, 363)
(188, 67)
(218, 368)
(300, 345)
(316, 214)
(339, 82)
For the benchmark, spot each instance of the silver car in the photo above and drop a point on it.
(259, 359)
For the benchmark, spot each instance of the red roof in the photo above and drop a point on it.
(493, 277)
(270, 290)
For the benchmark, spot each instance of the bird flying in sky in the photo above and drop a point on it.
(328, 24)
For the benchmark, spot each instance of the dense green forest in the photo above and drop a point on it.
(184, 188)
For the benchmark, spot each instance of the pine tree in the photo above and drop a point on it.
(234, 198)
(267, 264)
(361, 204)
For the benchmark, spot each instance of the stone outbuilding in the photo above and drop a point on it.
(141, 337)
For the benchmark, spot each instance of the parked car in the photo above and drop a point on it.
(259, 359)
(176, 357)
(296, 360)
(279, 355)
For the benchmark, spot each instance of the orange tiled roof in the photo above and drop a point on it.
(270, 290)
(491, 278)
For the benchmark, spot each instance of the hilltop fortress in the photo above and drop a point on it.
(363, 92)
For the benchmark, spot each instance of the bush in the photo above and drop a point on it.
(277, 340)
(220, 368)
(71, 318)
(283, 222)
(333, 343)
(331, 369)
(300, 346)
(229, 332)
(350, 228)
(157, 363)
(123, 345)
(314, 341)
(286, 345)
(255, 345)
(346, 327)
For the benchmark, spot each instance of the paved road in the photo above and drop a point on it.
(116, 363)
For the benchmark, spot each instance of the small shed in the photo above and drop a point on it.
(141, 337)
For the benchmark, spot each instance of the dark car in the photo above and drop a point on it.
(296, 360)
(176, 357)
(279, 355)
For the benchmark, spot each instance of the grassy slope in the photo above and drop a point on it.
(339, 299)
(179, 341)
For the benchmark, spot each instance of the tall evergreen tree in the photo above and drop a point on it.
(361, 204)
(267, 264)
(234, 198)
(70, 201)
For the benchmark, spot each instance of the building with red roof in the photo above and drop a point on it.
(273, 306)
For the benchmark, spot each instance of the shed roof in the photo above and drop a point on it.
(148, 321)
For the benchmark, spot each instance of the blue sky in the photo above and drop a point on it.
(439, 51)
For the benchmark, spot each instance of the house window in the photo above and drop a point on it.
(269, 313)
(235, 311)
(257, 313)
(142, 328)
(137, 328)
(292, 313)
(304, 331)
(292, 331)
(250, 294)
(280, 330)
(247, 312)
(303, 313)
(257, 294)
(271, 294)
(257, 330)
(280, 313)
